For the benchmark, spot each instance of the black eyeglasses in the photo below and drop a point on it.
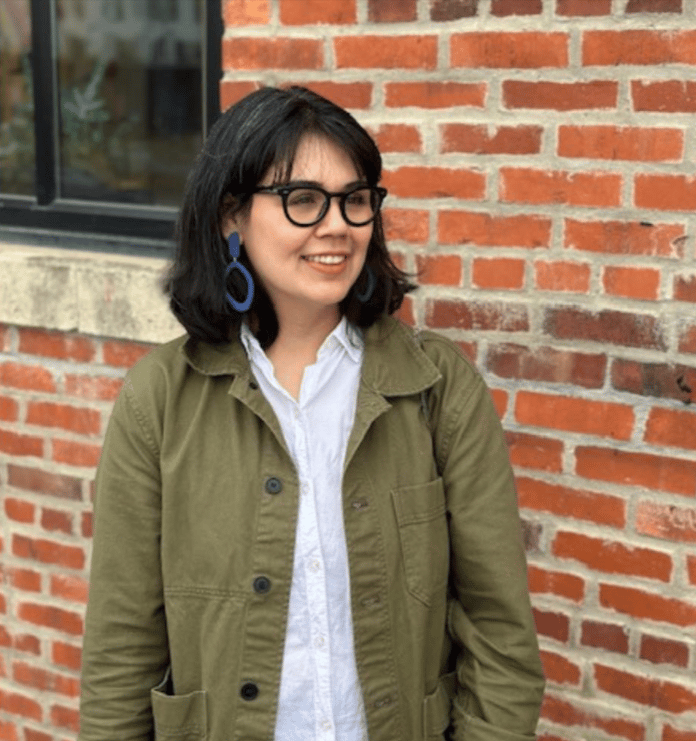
(306, 205)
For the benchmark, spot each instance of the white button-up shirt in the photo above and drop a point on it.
(320, 696)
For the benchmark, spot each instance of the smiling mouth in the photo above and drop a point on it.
(326, 259)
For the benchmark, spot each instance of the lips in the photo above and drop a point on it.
(326, 259)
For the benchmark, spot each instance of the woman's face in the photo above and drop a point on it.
(305, 268)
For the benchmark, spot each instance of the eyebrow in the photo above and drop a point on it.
(316, 184)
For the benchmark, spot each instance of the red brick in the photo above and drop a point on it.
(48, 551)
(61, 345)
(74, 419)
(654, 6)
(435, 182)
(71, 588)
(497, 273)
(387, 11)
(252, 53)
(406, 225)
(28, 644)
(661, 380)
(65, 718)
(87, 525)
(605, 327)
(500, 401)
(631, 282)
(670, 733)
(63, 654)
(525, 185)
(19, 510)
(9, 409)
(562, 276)
(32, 735)
(685, 288)
(664, 651)
(557, 583)
(554, 625)
(444, 270)
(561, 711)
(480, 139)
(577, 504)
(246, 13)
(671, 427)
(665, 192)
(561, 96)
(625, 238)
(691, 569)
(639, 46)
(585, 416)
(45, 681)
(547, 364)
(521, 50)
(435, 94)
(25, 579)
(51, 617)
(483, 316)
(17, 704)
(687, 339)
(644, 605)
(55, 520)
(452, 10)
(8, 731)
(27, 377)
(604, 635)
(76, 454)
(233, 91)
(310, 12)
(397, 138)
(516, 7)
(386, 52)
(666, 521)
(664, 96)
(613, 557)
(484, 230)
(43, 482)
(662, 695)
(583, 7)
(533, 451)
(637, 469)
(15, 444)
(558, 669)
(629, 143)
(94, 388)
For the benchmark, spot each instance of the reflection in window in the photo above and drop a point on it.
(130, 87)
(17, 152)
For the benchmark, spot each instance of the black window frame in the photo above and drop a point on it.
(46, 219)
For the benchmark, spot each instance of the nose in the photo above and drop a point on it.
(333, 220)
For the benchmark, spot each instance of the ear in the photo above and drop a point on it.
(228, 222)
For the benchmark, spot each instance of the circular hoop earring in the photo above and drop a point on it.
(366, 295)
(240, 306)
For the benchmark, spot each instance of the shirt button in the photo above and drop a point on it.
(315, 565)
(319, 641)
(326, 725)
(274, 485)
(262, 585)
(249, 691)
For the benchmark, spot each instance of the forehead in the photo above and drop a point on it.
(319, 159)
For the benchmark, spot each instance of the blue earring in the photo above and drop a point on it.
(240, 306)
(366, 295)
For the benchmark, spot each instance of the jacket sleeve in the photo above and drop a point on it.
(125, 646)
(500, 680)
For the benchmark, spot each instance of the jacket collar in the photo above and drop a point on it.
(393, 363)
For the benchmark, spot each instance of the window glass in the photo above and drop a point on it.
(17, 152)
(130, 98)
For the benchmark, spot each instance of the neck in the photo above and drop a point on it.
(304, 333)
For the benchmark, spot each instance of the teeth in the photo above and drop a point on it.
(327, 259)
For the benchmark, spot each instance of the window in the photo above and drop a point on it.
(103, 107)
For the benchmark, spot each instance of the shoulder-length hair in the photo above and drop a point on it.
(261, 133)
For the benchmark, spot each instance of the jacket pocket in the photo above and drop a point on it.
(179, 717)
(421, 514)
(437, 709)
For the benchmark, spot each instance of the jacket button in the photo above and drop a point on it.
(274, 485)
(249, 691)
(253, 385)
(262, 585)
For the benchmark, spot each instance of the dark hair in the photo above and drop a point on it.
(260, 132)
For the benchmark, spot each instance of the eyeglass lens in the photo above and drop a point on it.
(307, 205)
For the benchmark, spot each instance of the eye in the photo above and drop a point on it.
(304, 197)
(358, 198)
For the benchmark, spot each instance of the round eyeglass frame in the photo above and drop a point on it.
(284, 192)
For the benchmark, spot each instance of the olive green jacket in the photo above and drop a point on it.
(195, 513)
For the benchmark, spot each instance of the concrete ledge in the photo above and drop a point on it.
(107, 295)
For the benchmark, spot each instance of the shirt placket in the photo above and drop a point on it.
(312, 564)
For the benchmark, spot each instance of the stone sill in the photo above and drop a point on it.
(95, 293)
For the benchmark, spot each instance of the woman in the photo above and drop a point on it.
(305, 519)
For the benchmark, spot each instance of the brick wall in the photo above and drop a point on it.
(539, 158)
